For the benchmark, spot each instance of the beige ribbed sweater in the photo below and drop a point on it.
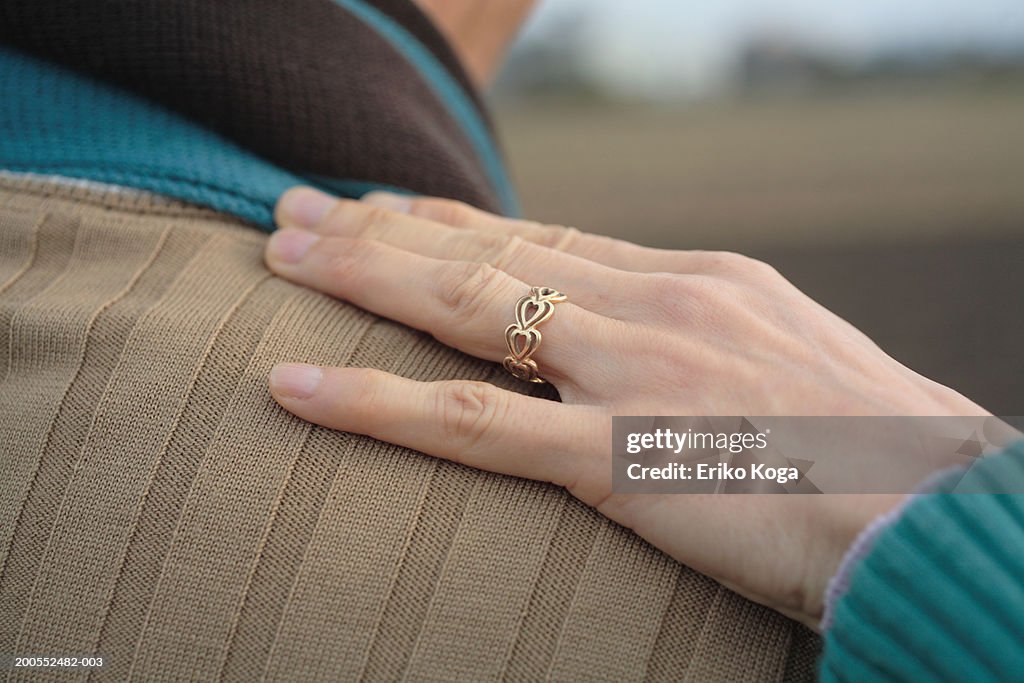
(158, 508)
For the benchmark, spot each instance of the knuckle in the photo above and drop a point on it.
(667, 296)
(666, 288)
(346, 259)
(467, 411)
(370, 221)
(446, 211)
(764, 270)
(503, 251)
(357, 219)
(603, 247)
(606, 244)
(340, 216)
(466, 289)
(713, 302)
(687, 298)
(721, 261)
(467, 246)
(363, 386)
(557, 237)
(732, 264)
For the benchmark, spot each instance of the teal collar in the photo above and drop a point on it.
(55, 121)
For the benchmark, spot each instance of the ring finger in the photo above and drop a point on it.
(463, 304)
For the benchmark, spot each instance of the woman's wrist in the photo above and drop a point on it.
(938, 594)
(864, 542)
(839, 584)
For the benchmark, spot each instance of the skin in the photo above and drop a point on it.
(479, 32)
(645, 332)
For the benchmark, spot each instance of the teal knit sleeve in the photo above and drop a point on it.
(940, 596)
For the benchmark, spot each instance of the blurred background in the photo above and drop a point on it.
(872, 151)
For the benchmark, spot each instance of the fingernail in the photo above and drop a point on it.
(291, 245)
(388, 200)
(295, 380)
(304, 207)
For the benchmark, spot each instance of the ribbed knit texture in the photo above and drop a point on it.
(940, 597)
(157, 506)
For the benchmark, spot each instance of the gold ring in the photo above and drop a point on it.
(523, 338)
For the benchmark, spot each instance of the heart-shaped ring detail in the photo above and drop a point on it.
(530, 312)
(523, 370)
(522, 338)
(521, 343)
(548, 294)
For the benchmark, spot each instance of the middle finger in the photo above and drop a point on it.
(593, 286)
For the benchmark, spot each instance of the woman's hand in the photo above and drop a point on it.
(645, 332)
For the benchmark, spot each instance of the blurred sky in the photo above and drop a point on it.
(636, 46)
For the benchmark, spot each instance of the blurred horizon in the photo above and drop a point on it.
(685, 51)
